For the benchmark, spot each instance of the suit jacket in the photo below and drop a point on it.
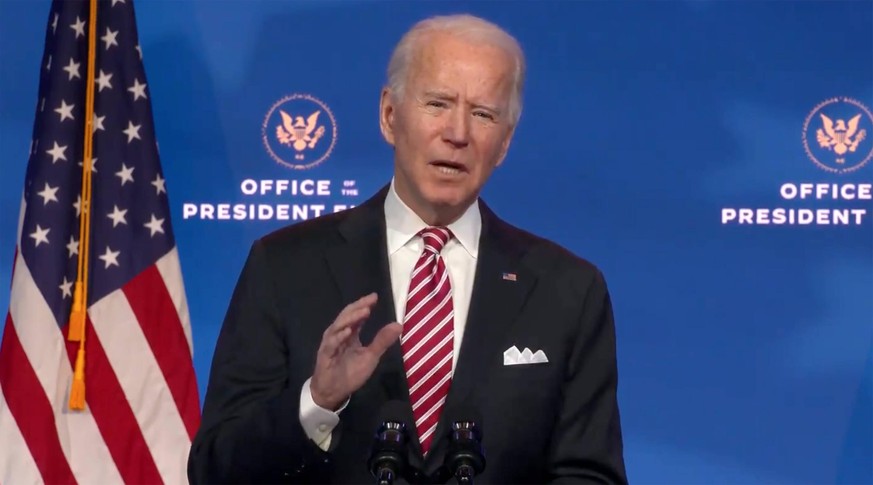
(552, 422)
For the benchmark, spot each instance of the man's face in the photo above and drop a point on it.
(451, 127)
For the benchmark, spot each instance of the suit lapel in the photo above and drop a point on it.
(501, 286)
(360, 266)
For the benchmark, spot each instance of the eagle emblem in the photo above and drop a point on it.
(840, 136)
(299, 133)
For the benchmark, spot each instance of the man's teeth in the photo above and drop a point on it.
(448, 170)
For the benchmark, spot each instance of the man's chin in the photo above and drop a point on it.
(451, 206)
(446, 200)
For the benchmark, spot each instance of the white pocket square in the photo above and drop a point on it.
(512, 356)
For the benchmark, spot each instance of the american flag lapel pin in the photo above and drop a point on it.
(510, 277)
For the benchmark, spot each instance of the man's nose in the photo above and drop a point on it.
(457, 128)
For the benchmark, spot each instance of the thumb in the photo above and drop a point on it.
(385, 338)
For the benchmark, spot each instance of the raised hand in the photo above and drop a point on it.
(343, 364)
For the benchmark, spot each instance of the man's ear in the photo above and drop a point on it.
(386, 116)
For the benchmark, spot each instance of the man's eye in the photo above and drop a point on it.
(437, 104)
(484, 114)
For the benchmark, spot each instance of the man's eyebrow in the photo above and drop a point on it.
(440, 94)
(437, 93)
(488, 107)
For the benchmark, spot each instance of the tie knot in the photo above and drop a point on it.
(435, 238)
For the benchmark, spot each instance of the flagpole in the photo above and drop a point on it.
(78, 315)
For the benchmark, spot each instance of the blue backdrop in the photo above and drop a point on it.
(669, 142)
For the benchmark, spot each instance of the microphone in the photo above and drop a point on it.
(389, 456)
(466, 456)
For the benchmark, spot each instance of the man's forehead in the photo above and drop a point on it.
(439, 45)
(436, 65)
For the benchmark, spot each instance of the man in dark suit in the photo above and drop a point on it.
(421, 295)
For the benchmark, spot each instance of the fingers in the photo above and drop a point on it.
(366, 301)
(335, 337)
(385, 338)
(353, 313)
(348, 319)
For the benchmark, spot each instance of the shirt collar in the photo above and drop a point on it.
(403, 224)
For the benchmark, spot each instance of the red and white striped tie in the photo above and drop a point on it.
(428, 335)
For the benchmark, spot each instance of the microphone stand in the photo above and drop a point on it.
(466, 457)
(388, 458)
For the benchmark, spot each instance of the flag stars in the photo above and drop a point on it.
(109, 38)
(159, 184)
(117, 216)
(79, 27)
(73, 69)
(139, 49)
(97, 123)
(55, 23)
(103, 81)
(48, 65)
(40, 235)
(48, 194)
(117, 1)
(66, 288)
(155, 225)
(65, 110)
(73, 247)
(78, 206)
(126, 174)
(57, 152)
(138, 90)
(109, 258)
(132, 131)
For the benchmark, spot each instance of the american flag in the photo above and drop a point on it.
(142, 407)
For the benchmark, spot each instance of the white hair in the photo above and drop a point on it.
(469, 28)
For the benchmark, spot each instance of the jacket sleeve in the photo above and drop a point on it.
(251, 430)
(587, 443)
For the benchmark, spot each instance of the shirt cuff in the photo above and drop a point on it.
(318, 423)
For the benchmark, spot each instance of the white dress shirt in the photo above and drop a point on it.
(404, 249)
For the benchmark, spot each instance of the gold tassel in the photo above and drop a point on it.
(77, 393)
(77, 317)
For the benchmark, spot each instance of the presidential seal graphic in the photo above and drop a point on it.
(836, 135)
(299, 131)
